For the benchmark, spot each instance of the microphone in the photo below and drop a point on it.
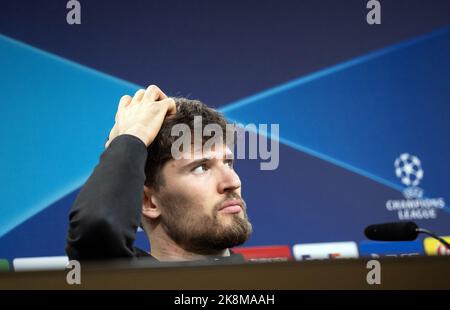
(399, 231)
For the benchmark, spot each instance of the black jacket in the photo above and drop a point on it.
(106, 214)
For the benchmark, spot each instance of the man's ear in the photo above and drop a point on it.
(150, 206)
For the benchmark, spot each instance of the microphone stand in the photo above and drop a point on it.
(430, 233)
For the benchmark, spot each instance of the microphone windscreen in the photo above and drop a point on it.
(397, 231)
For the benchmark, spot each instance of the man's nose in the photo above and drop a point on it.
(228, 180)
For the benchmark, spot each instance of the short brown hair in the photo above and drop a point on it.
(159, 151)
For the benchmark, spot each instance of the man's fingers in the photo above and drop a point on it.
(138, 96)
(153, 93)
(171, 106)
(124, 101)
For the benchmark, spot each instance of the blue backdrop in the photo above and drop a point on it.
(349, 97)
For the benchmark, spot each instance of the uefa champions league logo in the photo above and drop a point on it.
(409, 170)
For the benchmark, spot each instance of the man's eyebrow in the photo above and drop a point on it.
(201, 161)
(197, 162)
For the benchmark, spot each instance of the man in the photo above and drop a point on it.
(190, 208)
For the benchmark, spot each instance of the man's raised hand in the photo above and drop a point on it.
(142, 115)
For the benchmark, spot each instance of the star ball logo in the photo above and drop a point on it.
(408, 168)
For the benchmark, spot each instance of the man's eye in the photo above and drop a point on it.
(200, 169)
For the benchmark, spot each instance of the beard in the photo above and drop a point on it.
(201, 233)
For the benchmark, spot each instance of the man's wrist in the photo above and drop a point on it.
(140, 133)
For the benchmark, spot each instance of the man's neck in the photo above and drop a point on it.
(165, 249)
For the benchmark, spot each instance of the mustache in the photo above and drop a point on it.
(231, 196)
